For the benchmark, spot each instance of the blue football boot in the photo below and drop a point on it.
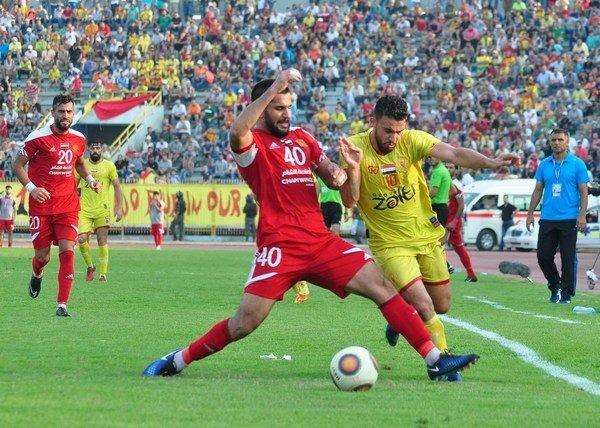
(448, 364)
(453, 377)
(163, 367)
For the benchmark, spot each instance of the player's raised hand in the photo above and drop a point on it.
(285, 78)
(352, 154)
(40, 194)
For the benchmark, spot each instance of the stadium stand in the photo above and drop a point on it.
(494, 76)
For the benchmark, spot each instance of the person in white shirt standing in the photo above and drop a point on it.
(7, 215)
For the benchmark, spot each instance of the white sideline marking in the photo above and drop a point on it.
(504, 308)
(529, 356)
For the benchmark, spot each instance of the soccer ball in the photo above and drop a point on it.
(354, 369)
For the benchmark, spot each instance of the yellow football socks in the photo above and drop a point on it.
(86, 253)
(438, 335)
(103, 260)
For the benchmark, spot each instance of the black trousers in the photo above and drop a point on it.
(332, 213)
(558, 234)
(442, 213)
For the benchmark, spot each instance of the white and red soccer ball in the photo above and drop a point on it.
(354, 369)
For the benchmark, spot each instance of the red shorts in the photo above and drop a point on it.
(157, 229)
(330, 264)
(49, 229)
(6, 225)
(455, 237)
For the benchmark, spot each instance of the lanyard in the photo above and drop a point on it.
(557, 171)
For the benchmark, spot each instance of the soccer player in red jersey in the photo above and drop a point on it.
(456, 206)
(277, 161)
(53, 153)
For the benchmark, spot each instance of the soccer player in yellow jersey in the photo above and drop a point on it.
(96, 209)
(387, 182)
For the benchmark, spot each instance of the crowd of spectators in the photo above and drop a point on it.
(492, 75)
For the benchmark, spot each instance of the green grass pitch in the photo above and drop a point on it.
(85, 370)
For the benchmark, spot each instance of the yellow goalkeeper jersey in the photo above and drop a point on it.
(394, 197)
(96, 203)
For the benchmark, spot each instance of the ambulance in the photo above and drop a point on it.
(482, 222)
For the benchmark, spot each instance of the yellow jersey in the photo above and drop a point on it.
(394, 198)
(97, 203)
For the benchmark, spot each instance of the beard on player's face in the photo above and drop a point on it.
(277, 126)
(94, 157)
(62, 124)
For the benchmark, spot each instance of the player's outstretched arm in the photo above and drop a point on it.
(240, 135)
(469, 158)
(352, 155)
(38, 193)
(332, 175)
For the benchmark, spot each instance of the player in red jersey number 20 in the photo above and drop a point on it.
(277, 161)
(53, 152)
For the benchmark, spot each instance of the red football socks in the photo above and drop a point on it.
(461, 250)
(158, 239)
(65, 276)
(405, 320)
(38, 266)
(213, 341)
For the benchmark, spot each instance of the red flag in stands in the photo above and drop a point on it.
(109, 109)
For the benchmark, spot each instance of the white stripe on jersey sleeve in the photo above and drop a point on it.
(246, 158)
(42, 132)
(75, 132)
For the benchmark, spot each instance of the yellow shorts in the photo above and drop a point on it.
(404, 268)
(88, 223)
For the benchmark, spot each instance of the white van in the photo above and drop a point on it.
(483, 222)
(521, 239)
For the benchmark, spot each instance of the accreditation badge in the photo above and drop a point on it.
(556, 189)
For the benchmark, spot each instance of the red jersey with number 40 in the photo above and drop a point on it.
(280, 173)
(52, 157)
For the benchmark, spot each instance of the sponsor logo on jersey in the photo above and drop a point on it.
(52, 149)
(274, 146)
(372, 169)
(401, 195)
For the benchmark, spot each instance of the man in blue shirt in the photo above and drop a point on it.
(562, 180)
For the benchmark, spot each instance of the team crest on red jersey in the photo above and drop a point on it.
(301, 143)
